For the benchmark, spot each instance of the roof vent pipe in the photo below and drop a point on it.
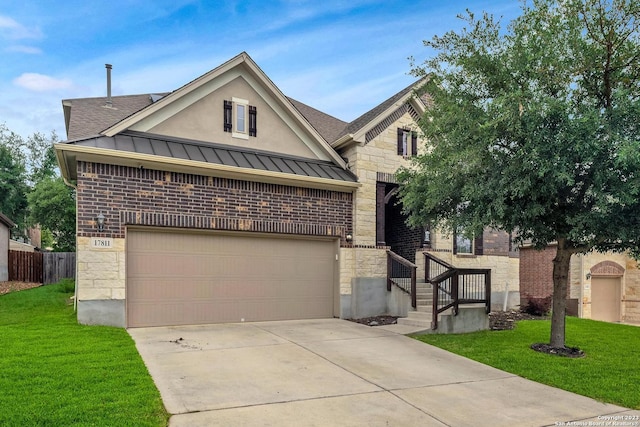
(108, 67)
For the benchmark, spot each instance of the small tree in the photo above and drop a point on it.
(535, 130)
(13, 199)
(52, 205)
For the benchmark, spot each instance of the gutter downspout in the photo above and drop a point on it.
(75, 279)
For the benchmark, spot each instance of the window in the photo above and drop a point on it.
(407, 143)
(240, 118)
(462, 244)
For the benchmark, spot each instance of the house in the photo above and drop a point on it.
(5, 232)
(226, 201)
(602, 286)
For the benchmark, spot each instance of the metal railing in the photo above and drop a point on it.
(453, 286)
(402, 273)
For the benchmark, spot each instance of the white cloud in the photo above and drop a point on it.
(12, 29)
(24, 49)
(41, 83)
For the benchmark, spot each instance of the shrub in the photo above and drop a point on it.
(537, 306)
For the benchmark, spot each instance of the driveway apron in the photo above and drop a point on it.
(332, 372)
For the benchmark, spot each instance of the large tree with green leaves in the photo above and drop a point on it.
(535, 129)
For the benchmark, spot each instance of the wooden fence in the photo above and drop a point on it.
(58, 265)
(39, 267)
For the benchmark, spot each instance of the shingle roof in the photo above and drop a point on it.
(163, 146)
(90, 116)
(367, 117)
(328, 126)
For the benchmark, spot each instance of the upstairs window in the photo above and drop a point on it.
(240, 118)
(407, 143)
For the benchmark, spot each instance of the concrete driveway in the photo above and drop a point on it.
(333, 372)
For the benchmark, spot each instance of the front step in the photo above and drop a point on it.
(420, 318)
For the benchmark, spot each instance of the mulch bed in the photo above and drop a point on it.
(6, 287)
(377, 320)
(506, 320)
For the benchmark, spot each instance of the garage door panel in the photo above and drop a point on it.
(176, 279)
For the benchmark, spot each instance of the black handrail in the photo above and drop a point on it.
(402, 273)
(453, 286)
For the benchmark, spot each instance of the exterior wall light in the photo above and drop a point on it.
(100, 221)
(349, 238)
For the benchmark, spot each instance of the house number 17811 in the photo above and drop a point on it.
(101, 242)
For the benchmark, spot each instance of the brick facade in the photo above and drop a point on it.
(536, 272)
(133, 196)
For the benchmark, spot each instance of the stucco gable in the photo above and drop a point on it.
(195, 111)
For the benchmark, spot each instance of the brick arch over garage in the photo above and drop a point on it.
(607, 268)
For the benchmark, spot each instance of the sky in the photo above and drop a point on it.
(342, 57)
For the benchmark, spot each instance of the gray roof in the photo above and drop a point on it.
(367, 117)
(329, 127)
(89, 116)
(160, 145)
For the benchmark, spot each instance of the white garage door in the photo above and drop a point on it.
(183, 279)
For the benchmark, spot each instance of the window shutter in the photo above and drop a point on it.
(253, 124)
(455, 243)
(414, 144)
(400, 133)
(477, 243)
(228, 108)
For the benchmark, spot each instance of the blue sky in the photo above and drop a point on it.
(342, 57)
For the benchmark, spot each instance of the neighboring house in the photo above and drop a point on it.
(226, 201)
(5, 231)
(602, 286)
(15, 245)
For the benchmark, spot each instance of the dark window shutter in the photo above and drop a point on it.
(477, 245)
(455, 243)
(414, 144)
(228, 108)
(253, 123)
(400, 133)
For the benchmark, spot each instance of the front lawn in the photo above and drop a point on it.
(55, 372)
(609, 372)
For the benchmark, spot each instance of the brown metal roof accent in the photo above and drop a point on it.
(89, 116)
(197, 151)
(329, 127)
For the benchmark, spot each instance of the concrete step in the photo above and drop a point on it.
(427, 308)
(417, 319)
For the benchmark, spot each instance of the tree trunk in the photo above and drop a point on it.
(561, 265)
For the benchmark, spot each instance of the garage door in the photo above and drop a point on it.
(183, 279)
(605, 298)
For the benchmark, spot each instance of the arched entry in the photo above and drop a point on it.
(606, 291)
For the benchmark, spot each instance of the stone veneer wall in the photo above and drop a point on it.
(536, 278)
(142, 197)
(366, 161)
(364, 258)
(583, 264)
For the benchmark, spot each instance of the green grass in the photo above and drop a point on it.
(55, 372)
(609, 372)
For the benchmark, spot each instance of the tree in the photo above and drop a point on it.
(41, 157)
(52, 205)
(13, 199)
(534, 130)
